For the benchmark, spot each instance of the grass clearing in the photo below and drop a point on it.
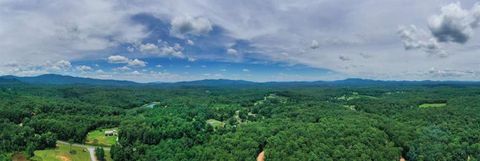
(61, 153)
(98, 138)
(351, 107)
(215, 123)
(432, 105)
(151, 105)
(272, 97)
(354, 96)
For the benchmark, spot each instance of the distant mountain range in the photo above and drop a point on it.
(54, 79)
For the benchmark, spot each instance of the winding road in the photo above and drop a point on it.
(90, 148)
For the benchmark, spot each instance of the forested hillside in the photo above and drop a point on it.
(418, 123)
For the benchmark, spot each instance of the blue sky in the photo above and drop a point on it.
(181, 40)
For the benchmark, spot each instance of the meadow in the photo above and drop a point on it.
(62, 153)
(98, 138)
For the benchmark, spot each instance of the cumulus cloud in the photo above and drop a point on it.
(185, 25)
(454, 24)
(190, 42)
(59, 65)
(118, 59)
(233, 52)
(245, 70)
(148, 48)
(162, 49)
(175, 50)
(137, 63)
(84, 68)
(414, 38)
(122, 69)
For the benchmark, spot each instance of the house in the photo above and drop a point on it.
(111, 132)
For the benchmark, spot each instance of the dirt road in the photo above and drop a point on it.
(261, 156)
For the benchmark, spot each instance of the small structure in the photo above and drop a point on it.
(112, 132)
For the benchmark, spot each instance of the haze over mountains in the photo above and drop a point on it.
(54, 79)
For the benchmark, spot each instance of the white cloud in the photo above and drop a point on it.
(414, 38)
(59, 65)
(35, 32)
(84, 68)
(118, 59)
(137, 63)
(245, 70)
(190, 42)
(175, 50)
(130, 49)
(164, 49)
(159, 66)
(149, 48)
(233, 52)
(191, 59)
(26, 69)
(122, 69)
(454, 24)
(185, 25)
(136, 73)
(314, 44)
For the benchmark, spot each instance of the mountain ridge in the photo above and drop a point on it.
(56, 79)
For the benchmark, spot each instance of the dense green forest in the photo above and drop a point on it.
(328, 123)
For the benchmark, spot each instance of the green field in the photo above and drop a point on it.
(432, 105)
(97, 137)
(61, 153)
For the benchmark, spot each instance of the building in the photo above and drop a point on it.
(111, 132)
